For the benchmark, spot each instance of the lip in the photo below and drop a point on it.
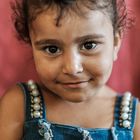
(79, 84)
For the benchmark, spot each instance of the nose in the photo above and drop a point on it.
(72, 64)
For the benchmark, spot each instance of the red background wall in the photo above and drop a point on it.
(16, 58)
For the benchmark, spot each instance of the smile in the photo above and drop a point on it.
(80, 84)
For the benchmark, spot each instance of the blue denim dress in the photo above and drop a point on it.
(42, 129)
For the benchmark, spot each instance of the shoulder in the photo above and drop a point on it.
(11, 113)
(12, 101)
(137, 124)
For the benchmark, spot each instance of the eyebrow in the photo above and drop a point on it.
(86, 37)
(48, 41)
(60, 42)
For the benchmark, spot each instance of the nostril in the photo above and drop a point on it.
(72, 69)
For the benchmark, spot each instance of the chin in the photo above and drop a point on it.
(77, 99)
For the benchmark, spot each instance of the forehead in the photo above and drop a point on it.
(95, 22)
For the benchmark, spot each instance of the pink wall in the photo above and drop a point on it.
(126, 73)
(16, 58)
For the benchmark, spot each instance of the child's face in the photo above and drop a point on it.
(74, 60)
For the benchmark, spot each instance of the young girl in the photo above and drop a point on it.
(74, 44)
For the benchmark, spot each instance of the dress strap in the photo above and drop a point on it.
(117, 110)
(34, 102)
(125, 112)
(134, 112)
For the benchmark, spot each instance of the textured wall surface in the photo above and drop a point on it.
(16, 58)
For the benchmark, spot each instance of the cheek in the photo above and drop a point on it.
(106, 68)
(100, 68)
(47, 70)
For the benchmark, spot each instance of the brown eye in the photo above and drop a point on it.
(54, 50)
(89, 46)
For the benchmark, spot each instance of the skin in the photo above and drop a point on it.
(73, 80)
(72, 63)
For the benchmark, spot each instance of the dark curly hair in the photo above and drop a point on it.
(25, 11)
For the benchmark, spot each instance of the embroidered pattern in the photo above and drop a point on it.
(85, 133)
(126, 111)
(36, 105)
(45, 130)
(37, 111)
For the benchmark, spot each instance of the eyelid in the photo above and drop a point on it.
(43, 45)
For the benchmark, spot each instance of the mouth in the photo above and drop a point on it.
(78, 84)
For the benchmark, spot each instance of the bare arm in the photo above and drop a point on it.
(137, 126)
(12, 114)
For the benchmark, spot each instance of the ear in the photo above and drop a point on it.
(117, 45)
